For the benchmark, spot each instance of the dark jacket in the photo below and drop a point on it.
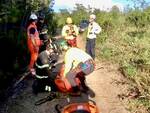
(43, 65)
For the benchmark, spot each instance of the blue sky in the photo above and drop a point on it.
(101, 4)
(128, 2)
(122, 1)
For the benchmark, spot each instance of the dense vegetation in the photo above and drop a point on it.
(14, 17)
(124, 40)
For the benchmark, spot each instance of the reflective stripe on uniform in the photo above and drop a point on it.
(47, 88)
(43, 66)
(40, 77)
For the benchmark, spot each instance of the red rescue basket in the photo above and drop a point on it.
(88, 107)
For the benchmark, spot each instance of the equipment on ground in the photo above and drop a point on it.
(50, 97)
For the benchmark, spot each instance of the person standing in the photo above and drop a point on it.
(70, 32)
(93, 30)
(33, 41)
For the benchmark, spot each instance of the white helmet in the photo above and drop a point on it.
(92, 16)
(33, 16)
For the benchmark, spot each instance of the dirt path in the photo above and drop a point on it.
(104, 91)
(102, 82)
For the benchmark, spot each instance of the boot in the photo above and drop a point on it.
(75, 91)
(85, 88)
(35, 87)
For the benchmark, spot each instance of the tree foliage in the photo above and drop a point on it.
(14, 16)
(124, 40)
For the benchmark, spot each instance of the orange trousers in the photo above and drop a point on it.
(33, 55)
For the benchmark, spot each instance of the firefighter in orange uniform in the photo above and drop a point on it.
(33, 41)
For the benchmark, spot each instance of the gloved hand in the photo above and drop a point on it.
(53, 58)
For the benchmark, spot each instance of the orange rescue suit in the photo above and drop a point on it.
(34, 49)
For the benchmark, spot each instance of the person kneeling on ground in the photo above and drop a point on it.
(77, 64)
(44, 78)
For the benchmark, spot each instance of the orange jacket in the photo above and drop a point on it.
(36, 36)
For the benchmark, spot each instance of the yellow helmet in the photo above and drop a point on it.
(69, 20)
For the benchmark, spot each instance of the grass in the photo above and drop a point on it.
(130, 48)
